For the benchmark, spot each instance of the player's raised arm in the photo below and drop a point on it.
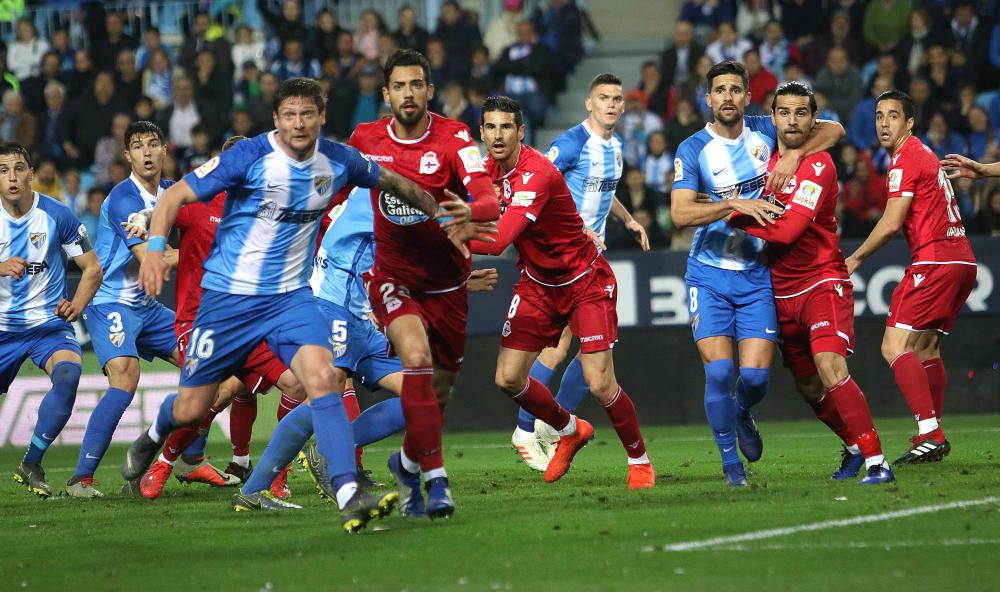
(154, 266)
(887, 226)
(824, 135)
(508, 229)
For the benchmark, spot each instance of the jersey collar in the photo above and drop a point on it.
(296, 163)
(27, 215)
(609, 142)
(142, 190)
(392, 132)
(711, 132)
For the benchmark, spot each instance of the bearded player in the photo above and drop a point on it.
(564, 281)
(940, 277)
(813, 291)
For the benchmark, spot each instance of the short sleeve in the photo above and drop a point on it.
(901, 180)
(468, 162)
(762, 124)
(361, 172)
(72, 234)
(687, 166)
(528, 201)
(121, 207)
(564, 153)
(223, 171)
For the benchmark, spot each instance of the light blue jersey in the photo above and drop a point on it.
(114, 248)
(347, 251)
(271, 217)
(726, 169)
(40, 237)
(591, 167)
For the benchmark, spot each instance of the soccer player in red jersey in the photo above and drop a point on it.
(812, 289)
(417, 285)
(564, 280)
(938, 280)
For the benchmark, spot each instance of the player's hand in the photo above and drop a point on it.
(638, 233)
(758, 209)
(481, 231)
(956, 166)
(482, 280)
(66, 311)
(853, 263)
(135, 229)
(456, 209)
(595, 237)
(152, 273)
(13, 267)
(784, 170)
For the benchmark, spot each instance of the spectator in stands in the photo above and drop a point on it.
(679, 61)
(410, 35)
(967, 39)
(560, 28)
(88, 119)
(941, 139)
(179, 118)
(635, 126)
(705, 16)
(17, 124)
(685, 122)
(458, 34)
(861, 129)
(920, 91)
(285, 26)
(658, 166)
(762, 80)
(47, 141)
(349, 62)
(941, 77)
(981, 139)
(47, 179)
(523, 67)
(72, 195)
(921, 35)
(91, 216)
(641, 201)
(840, 35)
(863, 200)
(386, 47)
(151, 42)
(213, 90)
(261, 107)
(456, 106)
(294, 62)
(105, 49)
(502, 30)
(341, 99)
(886, 22)
(776, 51)
(995, 47)
(793, 71)
(753, 16)
(241, 124)
(367, 32)
(481, 73)
(887, 66)
(33, 89)
(61, 45)
(170, 168)
(841, 82)
(655, 91)
(729, 45)
(987, 221)
(81, 80)
(200, 151)
(802, 20)
(24, 55)
(958, 118)
(369, 96)
(247, 49)
(202, 38)
(158, 79)
(854, 9)
(442, 71)
(144, 110)
(110, 147)
(697, 87)
(128, 80)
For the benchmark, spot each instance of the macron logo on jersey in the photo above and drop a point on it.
(818, 167)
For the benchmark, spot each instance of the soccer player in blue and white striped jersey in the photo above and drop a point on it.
(35, 232)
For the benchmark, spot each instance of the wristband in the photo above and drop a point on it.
(156, 244)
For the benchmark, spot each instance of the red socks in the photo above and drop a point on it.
(538, 400)
(285, 405)
(242, 414)
(621, 412)
(422, 415)
(937, 380)
(353, 409)
(826, 411)
(180, 439)
(853, 409)
(913, 382)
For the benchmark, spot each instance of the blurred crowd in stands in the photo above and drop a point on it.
(69, 97)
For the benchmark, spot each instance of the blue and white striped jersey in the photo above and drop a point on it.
(347, 251)
(266, 239)
(114, 249)
(40, 237)
(726, 169)
(591, 167)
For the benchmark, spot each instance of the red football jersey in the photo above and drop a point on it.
(933, 225)
(197, 223)
(552, 249)
(410, 247)
(816, 255)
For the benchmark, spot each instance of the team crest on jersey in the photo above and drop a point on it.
(552, 154)
(399, 212)
(760, 152)
(678, 170)
(895, 179)
(117, 339)
(429, 163)
(323, 184)
(618, 158)
(3, 245)
(37, 239)
(790, 186)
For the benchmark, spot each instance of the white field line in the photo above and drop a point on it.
(825, 525)
(887, 545)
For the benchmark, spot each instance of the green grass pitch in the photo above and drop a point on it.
(512, 531)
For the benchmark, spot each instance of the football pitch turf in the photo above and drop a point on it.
(937, 527)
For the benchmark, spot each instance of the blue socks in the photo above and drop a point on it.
(196, 450)
(721, 408)
(55, 409)
(542, 374)
(164, 423)
(573, 389)
(100, 428)
(379, 421)
(751, 386)
(334, 438)
(289, 437)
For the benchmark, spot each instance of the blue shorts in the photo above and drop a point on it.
(119, 330)
(229, 326)
(358, 346)
(37, 343)
(728, 303)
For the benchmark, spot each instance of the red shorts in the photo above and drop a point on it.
(259, 374)
(538, 313)
(443, 315)
(821, 320)
(930, 295)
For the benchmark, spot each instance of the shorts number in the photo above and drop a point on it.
(116, 322)
(339, 330)
(202, 345)
(513, 306)
(693, 298)
(386, 291)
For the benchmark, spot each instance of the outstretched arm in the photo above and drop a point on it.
(957, 166)
(887, 226)
(509, 228)
(785, 230)
(686, 209)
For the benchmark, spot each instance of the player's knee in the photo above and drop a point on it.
(66, 378)
(123, 374)
(319, 381)
(890, 350)
(602, 384)
(509, 382)
(719, 376)
(443, 394)
(188, 411)
(810, 388)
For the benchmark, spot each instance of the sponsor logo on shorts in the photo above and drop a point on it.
(954, 232)
(695, 320)
(190, 366)
(815, 326)
(117, 339)
(393, 305)
(591, 338)
(917, 279)
(339, 349)
(506, 329)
